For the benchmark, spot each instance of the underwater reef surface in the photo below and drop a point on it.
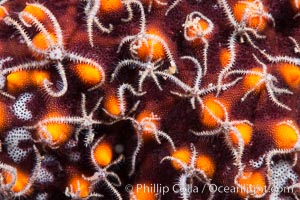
(149, 99)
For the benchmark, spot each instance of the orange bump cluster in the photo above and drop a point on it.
(103, 154)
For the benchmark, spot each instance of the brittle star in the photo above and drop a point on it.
(225, 127)
(254, 9)
(285, 59)
(189, 173)
(85, 122)
(195, 93)
(137, 40)
(124, 115)
(91, 11)
(102, 174)
(55, 54)
(148, 68)
(147, 124)
(6, 189)
(194, 31)
(267, 80)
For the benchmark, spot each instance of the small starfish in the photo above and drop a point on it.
(225, 127)
(85, 122)
(137, 40)
(103, 174)
(147, 124)
(124, 115)
(195, 93)
(192, 26)
(266, 79)
(189, 173)
(148, 68)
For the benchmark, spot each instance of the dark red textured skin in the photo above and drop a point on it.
(177, 116)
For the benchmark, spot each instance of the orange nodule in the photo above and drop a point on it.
(143, 192)
(206, 164)
(111, 105)
(110, 6)
(290, 74)
(251, 80)
(150, 45)
(285, 135)
(103, 154)
(295, 5)
(37, 77)
(252, 18)
(216, 109)
(145, 117)
(40, 41)
(22, 180)
(88, 74)
(79, 184)
(252, 183)
(59, 132)
(224, 57)
(34, 11)
(17, 81)
(246, 133)
(3, 12)
(182, 154)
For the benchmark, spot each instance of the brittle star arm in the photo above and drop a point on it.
(271, 89)
(232, 50)
(62, 74)
(130, 13)
(228, 12)
(121, 98)
(91, 11)
(165, 46)
(125, 63)
(39, 26)
(136, 152)
(12, 171)
(57, 28)
(3, 79)
(173, 5)
(9, 21)
(34, 175)
(26, 66)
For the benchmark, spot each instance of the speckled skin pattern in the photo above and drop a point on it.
(177, 117)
